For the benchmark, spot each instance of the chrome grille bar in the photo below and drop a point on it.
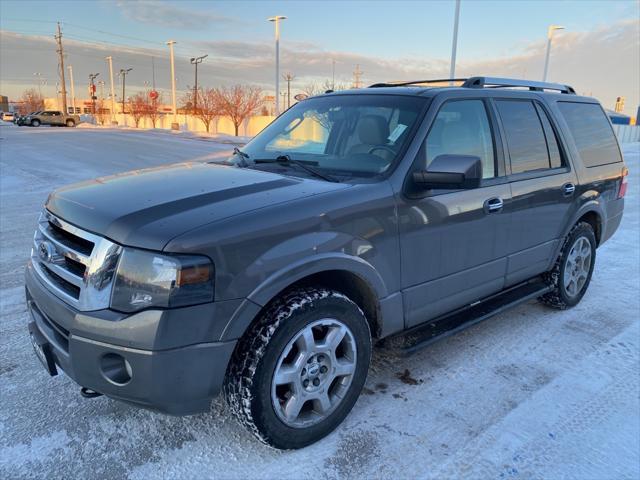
(58, 263)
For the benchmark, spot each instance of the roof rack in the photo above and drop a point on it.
(495, 82)
(402, 83)
(484, 82)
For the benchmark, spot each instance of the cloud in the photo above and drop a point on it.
(163, 14)
(603, 62)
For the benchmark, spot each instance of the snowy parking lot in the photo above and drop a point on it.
(531, 393)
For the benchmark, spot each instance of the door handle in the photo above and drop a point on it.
(568, 189)
(493, 205)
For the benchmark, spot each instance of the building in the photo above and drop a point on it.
(4, 103)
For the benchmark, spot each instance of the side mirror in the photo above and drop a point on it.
(450, 172)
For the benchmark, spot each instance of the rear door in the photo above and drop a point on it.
(453, 242)
(543, 186)
(56, 118)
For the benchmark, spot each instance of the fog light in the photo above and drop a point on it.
(115, 368)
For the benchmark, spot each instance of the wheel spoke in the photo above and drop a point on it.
(293, 406)
(306, 343)
(343, 368)
(334, 337)
(322, 403)
(286, 374)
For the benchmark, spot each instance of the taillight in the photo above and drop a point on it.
(623, 183)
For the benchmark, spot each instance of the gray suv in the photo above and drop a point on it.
(401, 212)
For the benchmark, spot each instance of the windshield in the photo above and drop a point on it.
(352, 135)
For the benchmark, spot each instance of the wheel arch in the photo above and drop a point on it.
(352, 276)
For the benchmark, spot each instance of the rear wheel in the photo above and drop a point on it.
(71, 123)
(35, 123)
(300, 369)
(572, 272)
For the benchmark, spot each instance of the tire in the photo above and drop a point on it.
(71, 123)
(570, 277)
(277, 343)
(35, 123)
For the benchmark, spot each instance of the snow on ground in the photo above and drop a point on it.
(531, 393)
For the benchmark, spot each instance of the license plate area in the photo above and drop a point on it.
(42, 349)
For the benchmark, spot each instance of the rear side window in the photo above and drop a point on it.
(592, 133)
(526, 137)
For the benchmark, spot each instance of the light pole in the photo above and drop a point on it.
(195, 61)
(113, 95)
(454, 45)
(73, 89)
(174, 125)
(124, 73)
(288, 77)
(550, 30)
(276, 20)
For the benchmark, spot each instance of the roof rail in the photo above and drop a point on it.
(415, 82)
(483, 82)
(494, 82)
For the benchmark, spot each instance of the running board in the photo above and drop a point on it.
(420, 336)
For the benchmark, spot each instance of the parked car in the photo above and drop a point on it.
(21, 119)
(54, 118)
(354, 217)
(6, 116)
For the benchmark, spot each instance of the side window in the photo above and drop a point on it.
(591, 132)
(462, 127)
(525, 135)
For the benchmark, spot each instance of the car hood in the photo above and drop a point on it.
(147, 208)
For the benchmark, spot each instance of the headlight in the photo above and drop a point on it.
(147, 279)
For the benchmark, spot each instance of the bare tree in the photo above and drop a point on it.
(239, 103)
(31, 101)
(209, 106)
(152, 110)
(138, 107)
(101, 111)
(315, 88)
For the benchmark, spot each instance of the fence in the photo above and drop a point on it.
(248, 128)
(627, 133)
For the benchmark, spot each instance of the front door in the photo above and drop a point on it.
(453, 243)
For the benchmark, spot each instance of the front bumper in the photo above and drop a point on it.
(178, 380)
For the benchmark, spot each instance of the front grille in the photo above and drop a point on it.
(65, 285)
(72, 241)
(76, 265)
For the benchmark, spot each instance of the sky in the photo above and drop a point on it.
(598, 52)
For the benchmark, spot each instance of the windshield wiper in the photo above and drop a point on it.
(287, 160)
(243, 157)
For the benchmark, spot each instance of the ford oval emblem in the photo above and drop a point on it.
(46, 251)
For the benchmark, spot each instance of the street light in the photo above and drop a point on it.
(195, 61)
(92, 91)
(454, 46)
(550, 30)
(276, 21)
(124, 73)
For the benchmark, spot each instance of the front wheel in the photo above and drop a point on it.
(571, 275)
(299, 370)
(35, 123)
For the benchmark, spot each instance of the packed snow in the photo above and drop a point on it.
(531, 393)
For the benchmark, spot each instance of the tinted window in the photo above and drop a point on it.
(592, 133)
(553, 146)
(462, 127)
(525, 136)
